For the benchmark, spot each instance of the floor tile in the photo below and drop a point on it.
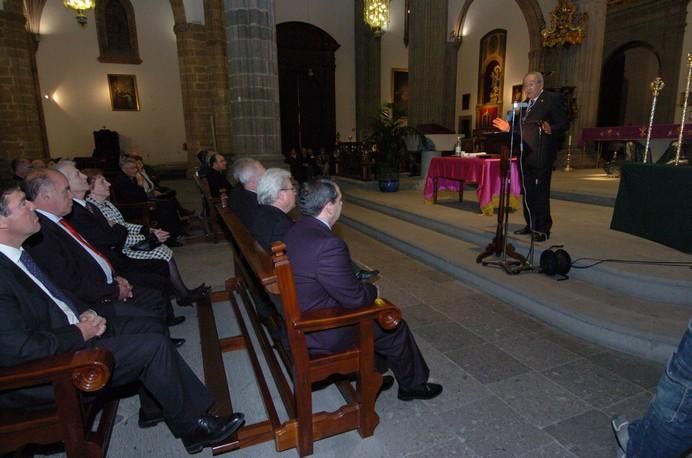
(536, 352)
(487, 363)
(421, 315)
(643, 373)
(537, 399)
(447, 336)
(593, 384)
(587, 435)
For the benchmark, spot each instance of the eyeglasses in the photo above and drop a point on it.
(295, 191)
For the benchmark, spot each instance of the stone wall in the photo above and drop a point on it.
(20, 120)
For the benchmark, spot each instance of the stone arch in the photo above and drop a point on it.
(178, 7)
(115, 46)
(534, 21)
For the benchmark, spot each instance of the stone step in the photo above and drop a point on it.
(636, 325)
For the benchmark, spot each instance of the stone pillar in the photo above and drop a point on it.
(21, 131)
(428, 56)
(204, 80)
(368, 75)
(253, 80)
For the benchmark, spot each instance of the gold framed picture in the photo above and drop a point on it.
(123, 90)
(400, 92)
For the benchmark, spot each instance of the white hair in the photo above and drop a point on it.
(245, 169)
(270, 184)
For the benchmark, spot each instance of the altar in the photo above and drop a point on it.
(448, 174)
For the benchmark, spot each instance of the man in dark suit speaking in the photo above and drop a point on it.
(324, 277)
(542, 124)
(38, 319)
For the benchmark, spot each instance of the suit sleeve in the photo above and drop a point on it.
(336, 276)
(19, 343)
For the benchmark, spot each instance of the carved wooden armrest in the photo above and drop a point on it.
(89, 369)
(386, 314)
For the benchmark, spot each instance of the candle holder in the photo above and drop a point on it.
(684, 109)
(656, 87)
(568, 165)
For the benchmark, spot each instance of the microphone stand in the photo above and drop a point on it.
(511, 261)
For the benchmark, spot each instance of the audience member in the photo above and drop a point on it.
(666, 429)
(243, 198)
(203, 158)
(76, 266)
(39, 320)
(216, 175)
(97, 200)
(128, 189)
(20, 167)
(294, 165)
(324, 278)
(38, 164)
(276, 194)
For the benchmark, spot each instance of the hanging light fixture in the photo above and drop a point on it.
(376, 15)
(80, 6)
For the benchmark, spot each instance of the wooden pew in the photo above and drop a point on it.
(209, 215)
(69, 420)
(257, 274)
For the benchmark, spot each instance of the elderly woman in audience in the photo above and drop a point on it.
(98, 196)
(127, 188)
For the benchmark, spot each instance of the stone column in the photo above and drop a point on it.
(21, 131)
(253, 80)
(428, 56)
(368, 75)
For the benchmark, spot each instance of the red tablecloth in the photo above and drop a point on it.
(483, 171)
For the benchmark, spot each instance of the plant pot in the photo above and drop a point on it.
(391, 185)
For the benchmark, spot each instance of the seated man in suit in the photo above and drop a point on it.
(40, 320)
(243, 198)
(216, 175)
(324, 278)
(276, 194)
(75, 265)
(20, 167)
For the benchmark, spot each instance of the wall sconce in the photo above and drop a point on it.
(376, 15)
(80, 6)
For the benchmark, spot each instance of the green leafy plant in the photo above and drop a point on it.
(387, 142)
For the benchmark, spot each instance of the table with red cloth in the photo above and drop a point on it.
(448, 174)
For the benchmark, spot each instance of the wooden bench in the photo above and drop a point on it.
(257, 275)
(69, 420)
(208, 213)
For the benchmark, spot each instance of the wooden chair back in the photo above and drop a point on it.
(69, 420)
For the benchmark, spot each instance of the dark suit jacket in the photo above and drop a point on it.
(323, 273)
(541, 148)
(270, 225)
(127, 190)
(217, 180)
(244, 204)
(68, 264)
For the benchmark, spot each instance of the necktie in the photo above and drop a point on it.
(83, 241)
(36, 271)
(532, 102)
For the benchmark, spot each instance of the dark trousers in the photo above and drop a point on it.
(143, 354)
(397, 350)
(145, 303)
(537, 198)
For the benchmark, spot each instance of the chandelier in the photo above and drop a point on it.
(376, 15)
(566, 28)
(80, 6)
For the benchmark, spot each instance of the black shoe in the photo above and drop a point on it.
(422, 391)
(174, 320)
(177, 343)
(387, 383)
(210, 430)
(365, 275)
(194, 295)
(523, 231)
(149, 419)
(540, 236)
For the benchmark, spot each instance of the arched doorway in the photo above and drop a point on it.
(625, 95)
(306, 86)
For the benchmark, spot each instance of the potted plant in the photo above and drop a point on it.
(387, 142)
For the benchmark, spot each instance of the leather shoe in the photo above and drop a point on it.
(387, 383)
(422, 391)
(210, 430)
(174, 320)
(149, 419)
(523, 231)
(177, 343)
(193, 295)
(365, 275)
(540, 236)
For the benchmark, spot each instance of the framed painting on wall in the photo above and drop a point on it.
(517, 93)
(400, 92)
(123, 90)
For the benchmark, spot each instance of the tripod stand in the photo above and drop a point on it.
(510, 260)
